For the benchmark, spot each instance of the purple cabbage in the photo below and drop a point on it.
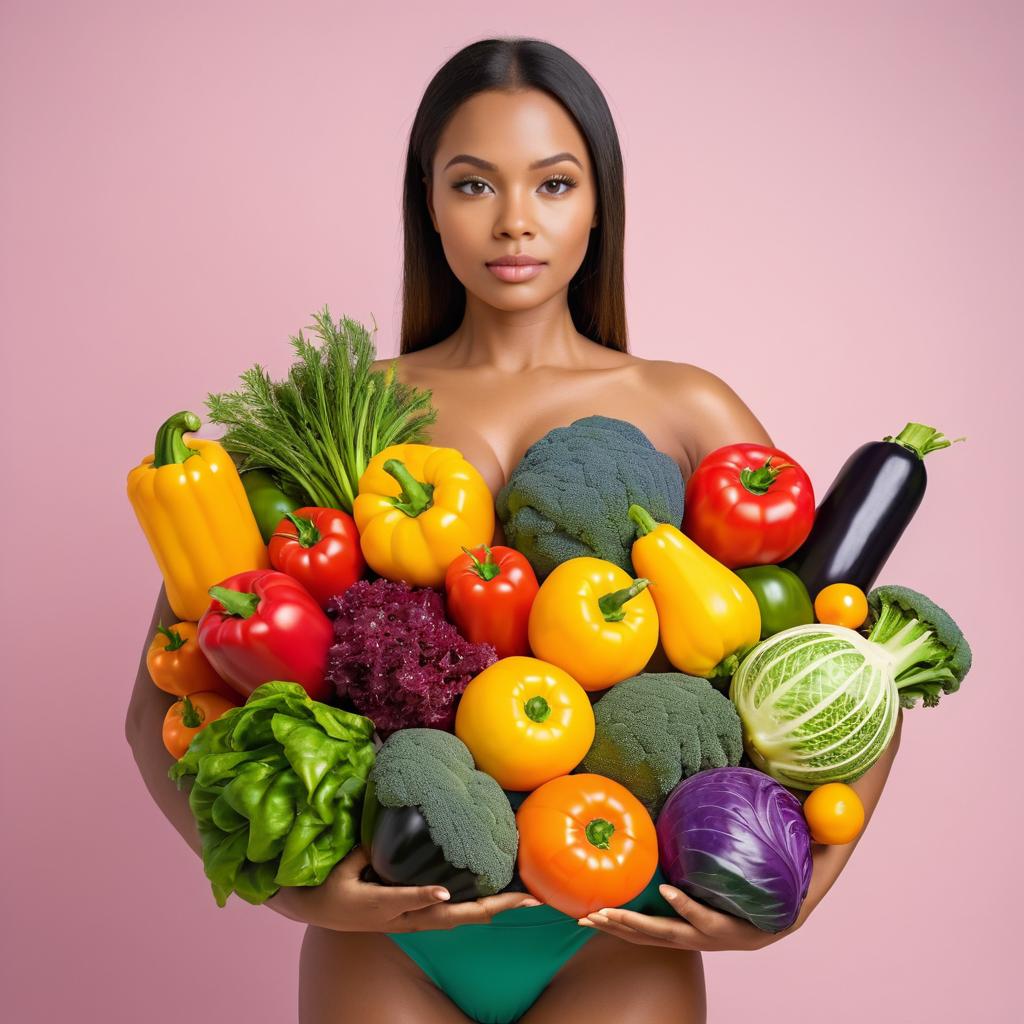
(735, 839)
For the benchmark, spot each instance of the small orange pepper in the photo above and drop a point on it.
(177, 664)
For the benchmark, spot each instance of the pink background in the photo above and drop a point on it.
(824, 208)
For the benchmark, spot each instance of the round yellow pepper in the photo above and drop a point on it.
(594, 620)
(525, 722)
(418, 506)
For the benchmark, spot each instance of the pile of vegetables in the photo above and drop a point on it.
(356, 661)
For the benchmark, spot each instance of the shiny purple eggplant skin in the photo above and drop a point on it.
(735, 839)
(862, 516)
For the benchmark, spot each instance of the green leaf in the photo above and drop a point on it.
(341, 724)
(309, 751)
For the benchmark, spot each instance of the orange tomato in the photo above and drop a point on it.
(585, 843)
(841, 604)
(188, 716)
(834, 814)
(525, 721)
(177, 664)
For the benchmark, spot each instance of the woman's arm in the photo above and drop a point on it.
(722, 418)
(344, 902)
(143, 730)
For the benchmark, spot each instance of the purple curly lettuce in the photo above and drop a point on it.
(397, 658)
(735, 839)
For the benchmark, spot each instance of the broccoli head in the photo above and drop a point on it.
(655, 729)
(462, 811)
(931, 654)
(570, 494)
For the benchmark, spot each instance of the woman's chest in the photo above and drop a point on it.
(493, 424)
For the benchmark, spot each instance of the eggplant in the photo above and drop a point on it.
(401, 851)
(865, 511)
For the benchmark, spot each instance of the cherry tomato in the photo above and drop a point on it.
(585, 843)
(841, 604)
(834, 814)
(186, 717)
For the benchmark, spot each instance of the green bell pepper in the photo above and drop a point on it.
(268, 502)
(781, 596)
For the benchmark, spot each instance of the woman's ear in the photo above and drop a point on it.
(593, 223)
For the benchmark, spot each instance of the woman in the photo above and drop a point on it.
(514, 153)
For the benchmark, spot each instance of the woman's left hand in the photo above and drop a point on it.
(703, 928)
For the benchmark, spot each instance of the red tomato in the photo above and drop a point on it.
(490, 592)
(320, 548)
(748, 505)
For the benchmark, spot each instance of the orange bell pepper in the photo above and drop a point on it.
(177, 664)
(585, 843)
(193, 713)
(525, 722)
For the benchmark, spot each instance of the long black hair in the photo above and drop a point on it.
(433, 298)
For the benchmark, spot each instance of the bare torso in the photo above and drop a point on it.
(493, 417)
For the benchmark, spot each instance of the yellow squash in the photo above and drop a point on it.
(708, 617)
(594, 620)
(192, 507)
(418, 506)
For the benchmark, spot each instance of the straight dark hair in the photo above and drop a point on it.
(433, 298)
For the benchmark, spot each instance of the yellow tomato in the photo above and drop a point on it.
(594, 620)
(834, 814)
(841, 604)
(525, 722)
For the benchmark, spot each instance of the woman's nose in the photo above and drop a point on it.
(514, 215)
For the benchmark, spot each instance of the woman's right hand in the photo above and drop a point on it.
(345, 903)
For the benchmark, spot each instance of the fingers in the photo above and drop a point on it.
(352, 863)
(711, 922)
(479, 911)
(600, 922)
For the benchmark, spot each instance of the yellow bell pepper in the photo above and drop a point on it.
(708, 617)
(594, 620)
(192, 507)
(525, 722)
(417, 507)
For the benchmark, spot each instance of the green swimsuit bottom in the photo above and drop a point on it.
(495, 972)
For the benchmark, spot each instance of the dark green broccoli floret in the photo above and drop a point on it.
(467, 812)
(932, 655)
(655, 729)
(570, 494)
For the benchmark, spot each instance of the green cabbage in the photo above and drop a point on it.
(818, 704)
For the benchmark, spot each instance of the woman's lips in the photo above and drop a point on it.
(504, 272)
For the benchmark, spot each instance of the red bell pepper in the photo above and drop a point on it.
(264, 625)
(320, 548)
(746, 505)
(490, 600)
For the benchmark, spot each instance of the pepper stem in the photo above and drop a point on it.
(611, 604)
(599, 833)
(488, 568)
(644, 520)
(760, 480)
(921, 439)
(416, 496)
(175, 640)
(170, 446)
(308, 534)
(235, 602)
(191, 716)
(538, 709)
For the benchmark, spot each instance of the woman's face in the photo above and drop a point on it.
(487, 201)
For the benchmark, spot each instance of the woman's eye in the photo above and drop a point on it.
(570, 184)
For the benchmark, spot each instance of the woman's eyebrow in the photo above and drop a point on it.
(486, 165)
